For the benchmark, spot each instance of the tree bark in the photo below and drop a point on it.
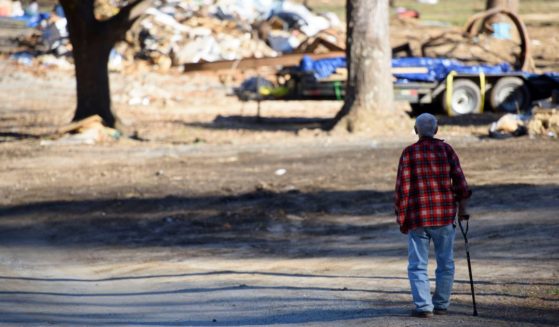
(92, 41)
(510, 5)
(91, 56)
(369, 89)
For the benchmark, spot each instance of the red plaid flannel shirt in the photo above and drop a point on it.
(430, 181)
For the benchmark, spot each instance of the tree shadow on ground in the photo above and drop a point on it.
(295, 124)
(289, 124)
(257, 273)
(247, 305)
(16, 136)
(266, 222)
(300, 316)
(469, 120)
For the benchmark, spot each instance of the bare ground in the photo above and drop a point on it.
(194, 227)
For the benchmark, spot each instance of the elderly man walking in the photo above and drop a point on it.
(430, 189)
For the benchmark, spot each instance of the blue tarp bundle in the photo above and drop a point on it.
(438, 69)
(31, 21)
(322, 68)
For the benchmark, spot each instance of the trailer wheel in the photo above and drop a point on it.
(465, 98)
(510, 94)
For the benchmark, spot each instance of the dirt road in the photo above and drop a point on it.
(210, 235)
(215, 219)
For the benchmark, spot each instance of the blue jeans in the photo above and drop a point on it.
(418, 255)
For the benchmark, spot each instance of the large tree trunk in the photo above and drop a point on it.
(369, 93)
(510, 5)
(92, 41)
(91, 56)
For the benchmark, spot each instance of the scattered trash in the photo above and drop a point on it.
(115, 61)
(252, 86)
(280, 172)
(9, 8)
(87, 131)
(508, 126)
(544, 122)
(23, 58)
(53, 61)
(172, 33)
(402, 12)
(501, 31)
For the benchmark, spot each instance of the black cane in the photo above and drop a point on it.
(465, 234)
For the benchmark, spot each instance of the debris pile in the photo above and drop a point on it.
(509, 125)
(544, 122)
(87, 131)
(476, 43)
(472, 50)
(49, 42)
(173, 33)
(9, 8)
(176, 32)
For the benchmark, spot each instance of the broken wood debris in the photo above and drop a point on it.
(249, 63)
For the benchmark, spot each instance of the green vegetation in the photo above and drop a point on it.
(454, 12)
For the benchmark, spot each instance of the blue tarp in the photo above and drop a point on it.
(322, 68)
(438, 69)
(31, 21)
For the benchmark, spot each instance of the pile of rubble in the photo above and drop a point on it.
(176, 32)
(543, 120)
(483, 48)
(173, 33)
(477, 43)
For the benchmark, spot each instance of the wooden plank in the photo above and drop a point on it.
(341, 73)
(75, 126)
(292, 59)
(410, 70)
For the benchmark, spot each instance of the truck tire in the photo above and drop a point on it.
(465, 98)
(510, 94)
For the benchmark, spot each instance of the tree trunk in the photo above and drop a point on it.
(92, 41)
(510, 5)
(369, 93)
(91, 56)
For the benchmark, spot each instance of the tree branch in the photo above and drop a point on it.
(126, 17)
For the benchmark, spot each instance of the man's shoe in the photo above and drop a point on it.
(421, 314)
(440, 312)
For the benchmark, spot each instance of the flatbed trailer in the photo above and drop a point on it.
(457, 94)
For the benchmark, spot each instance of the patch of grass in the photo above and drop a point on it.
(554, 291)
(337, 9)
(538, 6)
(453, 12)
